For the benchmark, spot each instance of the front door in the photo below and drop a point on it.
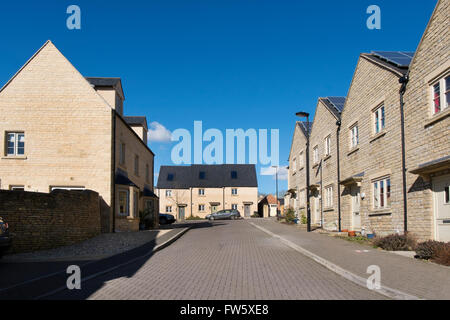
(441, 195)
(356, 216)
(246, 210)
(214, 209)
(181, 213)
(316, 211)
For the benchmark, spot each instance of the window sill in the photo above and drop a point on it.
(301, 168)
(437, 117)
(315, 165)
(379, 212)
(294, 173)
(15, 157)
(328, 209)
(377, 136)
(355, 149)
(327, 157)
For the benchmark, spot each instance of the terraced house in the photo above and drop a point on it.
(199, 190)
(60, 130)
(295, 198)
(370, 153)
(324, 140)
(427, 131)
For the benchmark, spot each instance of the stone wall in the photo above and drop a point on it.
(47, 220)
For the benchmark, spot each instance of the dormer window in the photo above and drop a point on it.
(233, 174)
(170, 177)
(202, 175)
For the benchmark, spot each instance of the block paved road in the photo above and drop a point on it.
(229, 260)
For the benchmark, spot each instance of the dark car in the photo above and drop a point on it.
(5, 239)
(165, 218)
(224, 214)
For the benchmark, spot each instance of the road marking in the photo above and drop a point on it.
(386, 291)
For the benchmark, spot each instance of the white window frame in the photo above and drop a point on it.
(168, 209)
(328, 197)
(122, 151)
(201, 192)
(327, 145)
(127, 207)
(16, 136)
(442, 94)
(377, 196)
(69, 188)
(354, 136)
(234, 191)
(168, 193)
(316, 154)
(379, 119)
(201, 208)
(17, 187)
(234, 206)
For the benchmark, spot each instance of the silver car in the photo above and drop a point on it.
(229, 214)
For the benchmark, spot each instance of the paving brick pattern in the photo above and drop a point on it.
(228, 260)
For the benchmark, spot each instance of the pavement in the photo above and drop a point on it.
(417, 278)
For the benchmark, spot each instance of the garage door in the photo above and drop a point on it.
(441, 194)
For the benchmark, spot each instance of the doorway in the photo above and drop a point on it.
(181, 213)
(441, 200)
(356, 215)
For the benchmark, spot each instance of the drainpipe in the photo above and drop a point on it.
(113, 171)
(403, 80)
(338, 123)
(191, 202)
(321, 195)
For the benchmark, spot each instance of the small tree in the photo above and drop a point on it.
(290, 215)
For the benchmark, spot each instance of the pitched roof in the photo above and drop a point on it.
(304, 126)
(334, 104)
(114, 82)
(385, 63)
(207, 176)
(136, 120)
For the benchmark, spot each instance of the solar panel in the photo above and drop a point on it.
(399, 58)
(337, 102)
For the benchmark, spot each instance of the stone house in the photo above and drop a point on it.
(370, 151)
(61, 130)
(324, 192)
(427, 131)
(199, 190)
(268, 206)
(295, 198)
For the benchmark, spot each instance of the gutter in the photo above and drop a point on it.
(338, 123)
(113, 170)
(404, 81)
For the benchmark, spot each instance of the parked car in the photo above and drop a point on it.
(5, 239)
(165, 218)
(224, 214)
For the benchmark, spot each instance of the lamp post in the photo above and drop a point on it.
(276, 178)
(308, 206)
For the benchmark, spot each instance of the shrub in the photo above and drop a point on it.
(194, 218)
(435, 251)
(442, 254)
(290, 215)
(396, 242)
(304, 220)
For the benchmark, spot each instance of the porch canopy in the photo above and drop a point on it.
(432, 166)
(355, 179)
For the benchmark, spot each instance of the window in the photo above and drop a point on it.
(234, 206)
(122, 153)
(201, 192)
(354, 136)
(147, 173)
(123, 203)
(300, 160)
(168, 193)
(202, 175)
(170, 177)
(66, 188)
(233, 174)
(136, 165)
(316, 154)
(17, 188)
(329, 197)
(294, 165)
(201, 207)
(440, 94)
(234, 191)
(379, 119)
(168, 209)
(382, 193)
(328, 146)
(15, 144)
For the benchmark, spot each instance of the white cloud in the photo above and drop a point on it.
(158, 133)
(270, 171)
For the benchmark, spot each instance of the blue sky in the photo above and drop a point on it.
(231, 64)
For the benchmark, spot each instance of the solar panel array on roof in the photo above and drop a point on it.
(399, 58)
(337, 102)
